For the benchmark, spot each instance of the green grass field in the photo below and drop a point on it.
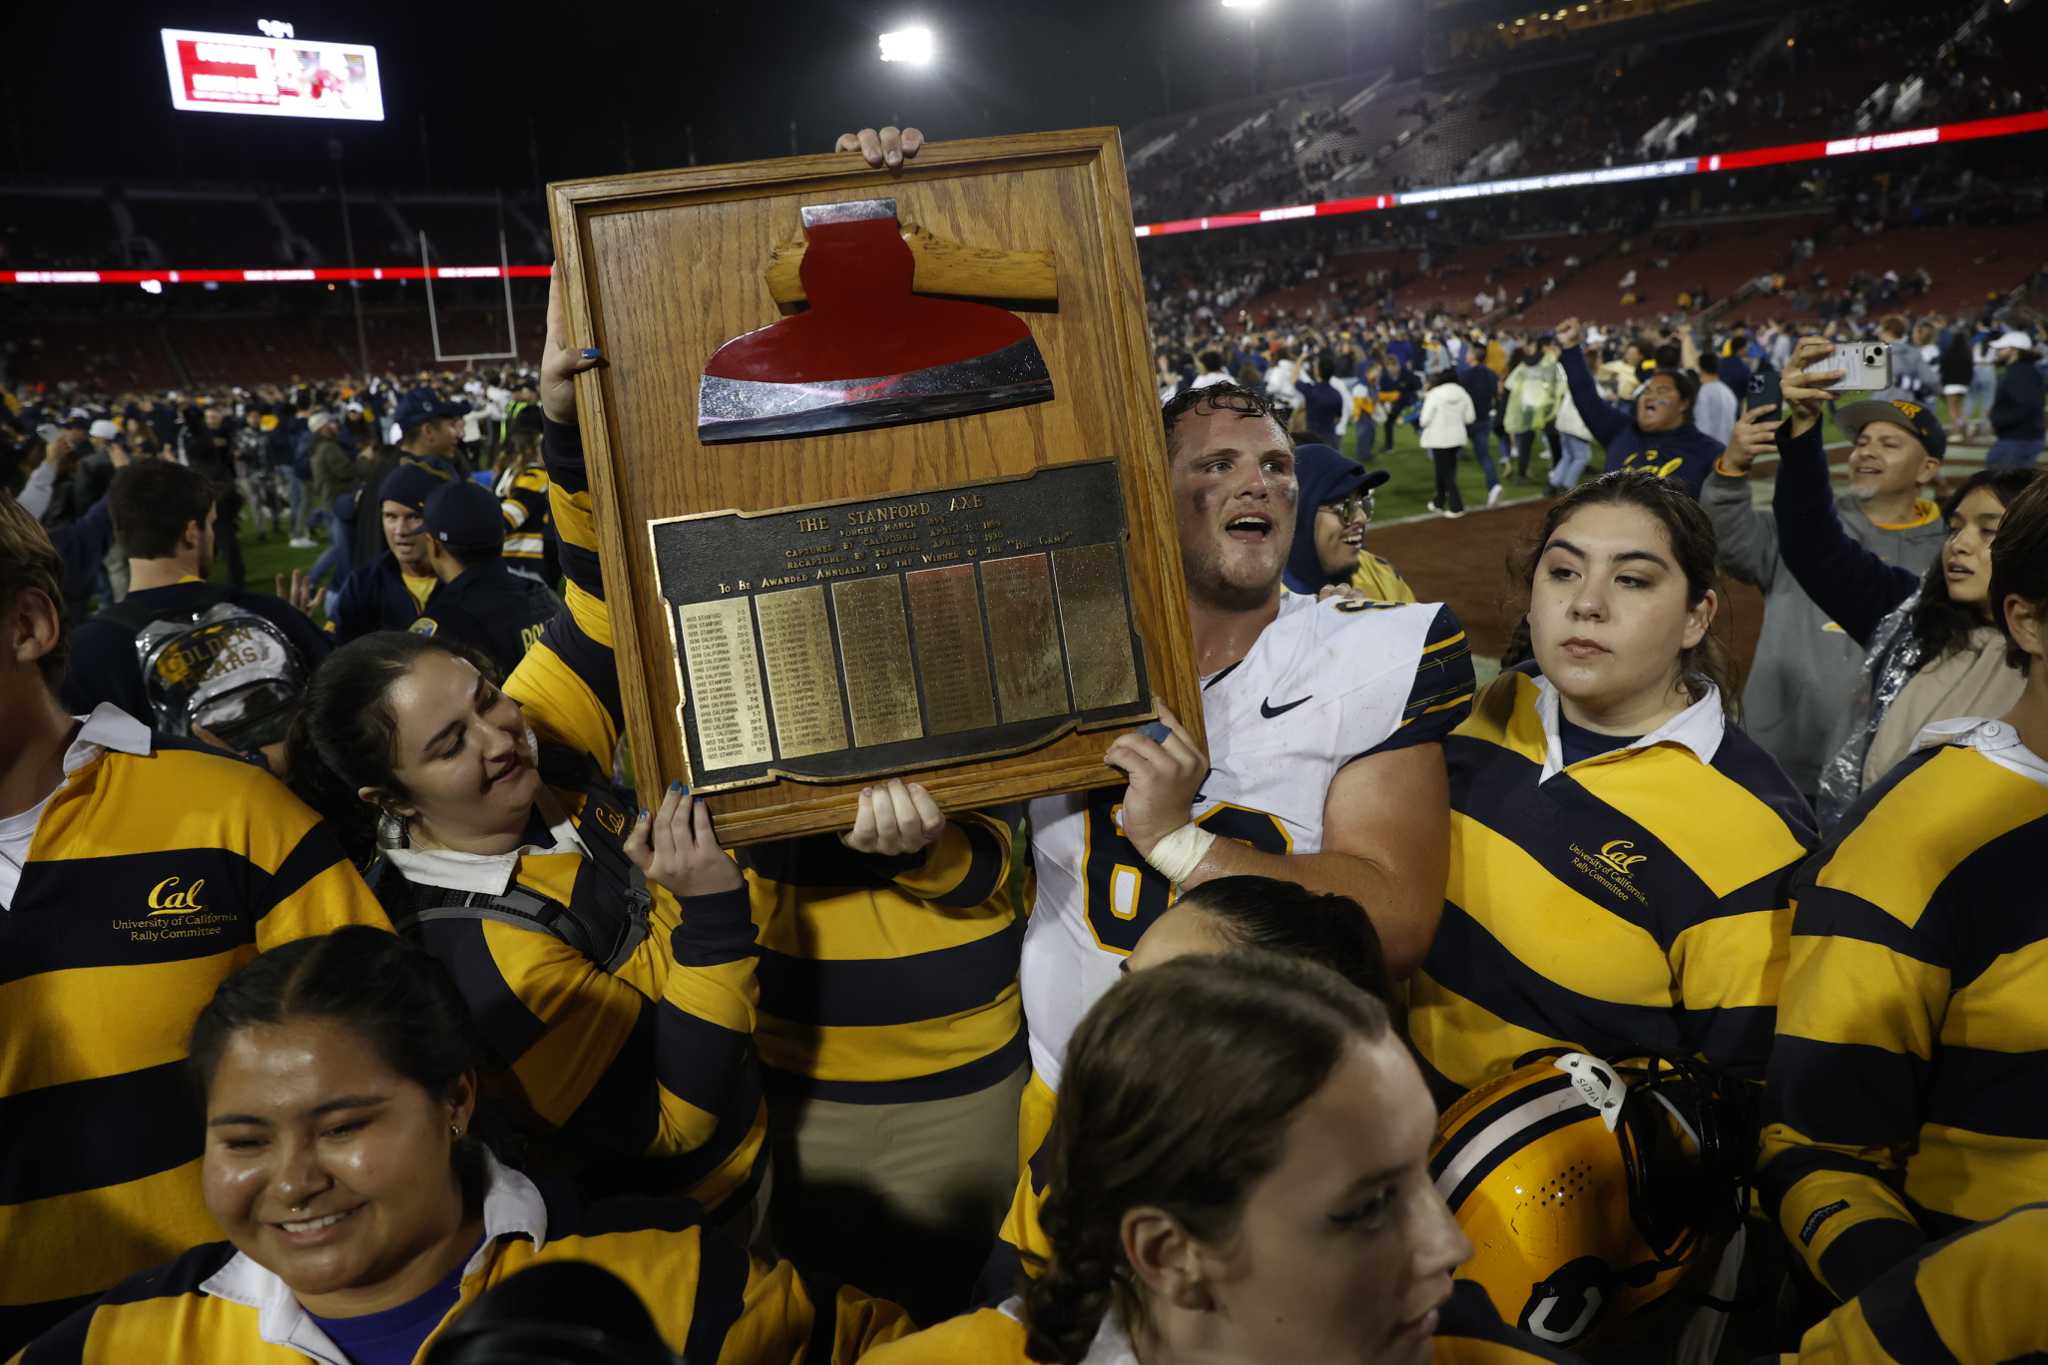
(265, 559)
(1407, 494)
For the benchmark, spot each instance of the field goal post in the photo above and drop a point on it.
(434, 317)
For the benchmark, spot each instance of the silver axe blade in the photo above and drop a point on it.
(742, 409)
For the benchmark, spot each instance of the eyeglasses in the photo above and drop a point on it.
(1357, 507)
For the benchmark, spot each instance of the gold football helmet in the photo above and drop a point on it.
(1589, 1188)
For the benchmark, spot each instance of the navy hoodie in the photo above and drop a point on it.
(2016, 410)
(1323, 476)
(1686, 453)
(1483, 385)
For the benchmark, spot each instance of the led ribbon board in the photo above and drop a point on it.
(2008, 125)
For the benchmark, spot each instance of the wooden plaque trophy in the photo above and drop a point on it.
(879, 474)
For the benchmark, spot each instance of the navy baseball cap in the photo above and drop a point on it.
(421, 405)
(413, 482)
(1917, 418)
(465, 516)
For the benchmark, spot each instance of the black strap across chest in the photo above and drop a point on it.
(606, 916)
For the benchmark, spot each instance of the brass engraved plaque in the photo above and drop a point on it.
(952, 653)
(961, 623)
(881, 690)
(803, 675)
(1096, 615)
(1031, 676)
(725, 683)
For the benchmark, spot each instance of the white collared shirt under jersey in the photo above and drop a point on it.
(108, 727)
(1700, 728)
(488, 874)
(1994, 739)
(512, 1208)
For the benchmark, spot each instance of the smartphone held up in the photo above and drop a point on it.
(1864, 365)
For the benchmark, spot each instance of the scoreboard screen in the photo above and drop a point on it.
(239, 73)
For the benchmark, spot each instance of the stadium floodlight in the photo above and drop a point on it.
(910, 45)
(1244, 4)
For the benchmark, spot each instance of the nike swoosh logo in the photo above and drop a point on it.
(1268, 710)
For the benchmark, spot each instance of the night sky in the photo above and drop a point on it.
(480, 97)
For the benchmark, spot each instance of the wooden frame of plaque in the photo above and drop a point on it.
(985, 600)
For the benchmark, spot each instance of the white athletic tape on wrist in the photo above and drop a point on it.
(1178, 855)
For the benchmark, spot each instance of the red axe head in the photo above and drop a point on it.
(869, 352)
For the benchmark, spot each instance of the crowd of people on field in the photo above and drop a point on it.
(368, 1002)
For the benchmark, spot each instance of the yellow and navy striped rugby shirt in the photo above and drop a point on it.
(529, 527)
(1970, 1297)
(157, 869)
(655, 1059)
(888, 981)
(1379, 580)
(1908, 1090)
(1638, 900)
(709, 1300)
(1022, 1250)
(1469, 1332)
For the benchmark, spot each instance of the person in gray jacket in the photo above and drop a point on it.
(1796, 704)
(1914, 377)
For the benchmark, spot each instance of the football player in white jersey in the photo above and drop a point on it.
(1325, 766)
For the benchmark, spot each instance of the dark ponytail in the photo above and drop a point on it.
(345, 736)
(1940, 623)
(1293, 921)
(1178, 1091)
(2019, 565)
(397, 998)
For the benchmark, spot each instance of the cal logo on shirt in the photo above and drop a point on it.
(176, 909)
(1648, 460)
(1615, 854)
(168, 898)
(1613, 868)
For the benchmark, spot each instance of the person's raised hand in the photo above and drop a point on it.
(1568, 334)
(889, 147)
(1165, 767)
(1804, 383)
(675, 847)
(1756, 431)
(895, 820)
(560, 359)
(298, 591)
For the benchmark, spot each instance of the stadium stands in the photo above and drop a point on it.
(98, 354)
(1714, 260)
(1710, 78)
(1758, 78)
(459, 233)
(175, 228)
(56, 227)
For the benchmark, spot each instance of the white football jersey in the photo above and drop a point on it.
(1326, 683)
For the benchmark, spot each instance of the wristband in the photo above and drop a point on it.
(1178, 855)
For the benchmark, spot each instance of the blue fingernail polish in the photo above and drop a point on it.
(1156, 731)
(643, 812)
(592, 353)
(675, 786)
